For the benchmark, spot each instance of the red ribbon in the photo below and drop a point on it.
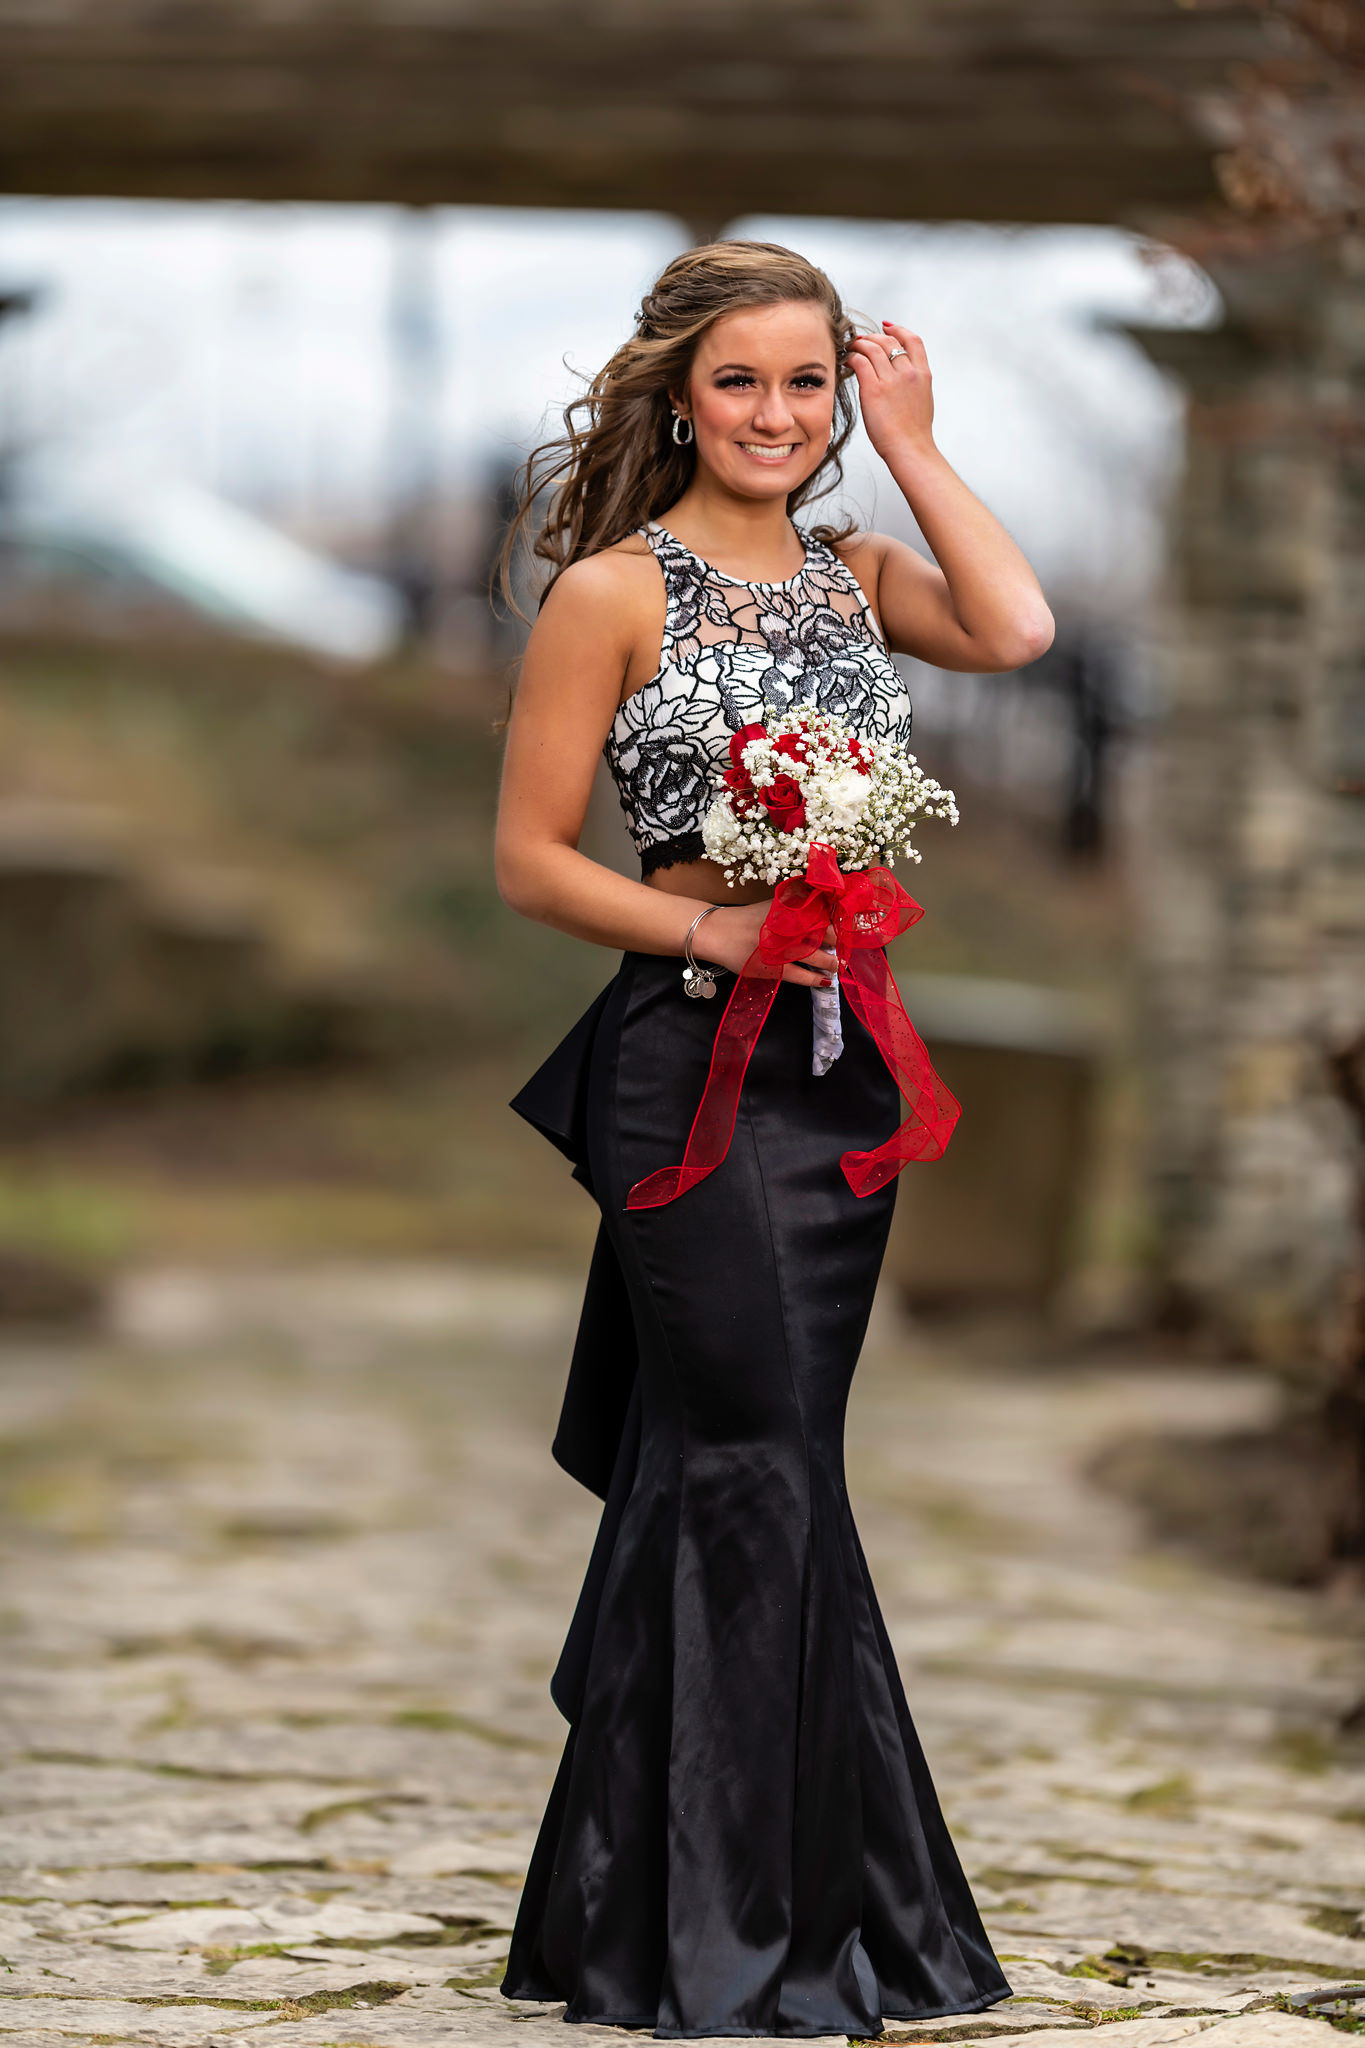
(866, 909)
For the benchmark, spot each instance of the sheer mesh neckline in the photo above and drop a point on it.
(731, 651)
(726, 620)
(744, 582)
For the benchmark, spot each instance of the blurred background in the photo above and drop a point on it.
(281, 308)
(266, 370)
(286, 293)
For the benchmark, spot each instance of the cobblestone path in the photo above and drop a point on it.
(287, 1566)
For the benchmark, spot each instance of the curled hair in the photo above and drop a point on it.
(616, 465)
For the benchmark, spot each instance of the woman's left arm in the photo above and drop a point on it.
(978, 605)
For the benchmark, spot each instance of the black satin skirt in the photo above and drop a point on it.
(743, 1836)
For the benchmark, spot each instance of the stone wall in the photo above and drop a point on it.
(1254, 842)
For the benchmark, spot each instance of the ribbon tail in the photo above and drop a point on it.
(934, 1110)
(713, 1126)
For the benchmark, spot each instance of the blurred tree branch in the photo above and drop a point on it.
(1289, 131)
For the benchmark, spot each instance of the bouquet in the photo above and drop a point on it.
(807, 805)
(806, 777)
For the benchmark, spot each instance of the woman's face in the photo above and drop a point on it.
(761, 397)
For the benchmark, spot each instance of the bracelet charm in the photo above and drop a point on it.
(699, 981)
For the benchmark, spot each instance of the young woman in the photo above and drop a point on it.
(743, 1837)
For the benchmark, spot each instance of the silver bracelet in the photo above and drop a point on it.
(697, 979)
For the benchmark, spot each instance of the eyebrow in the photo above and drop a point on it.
(749, 366)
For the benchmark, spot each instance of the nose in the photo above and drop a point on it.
(773, 415)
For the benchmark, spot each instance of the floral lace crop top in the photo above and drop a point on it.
(732, 652)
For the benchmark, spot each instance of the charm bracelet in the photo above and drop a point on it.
(698, 980)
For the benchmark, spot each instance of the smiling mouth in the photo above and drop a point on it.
(764, 453)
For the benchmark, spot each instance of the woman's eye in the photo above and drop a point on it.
(809, 380)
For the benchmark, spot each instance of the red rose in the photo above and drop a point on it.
(740, 740)
(784, 802)
(792, 744)
(740, 784)
(861, 761)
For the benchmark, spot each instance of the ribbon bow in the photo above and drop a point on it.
(866, 909)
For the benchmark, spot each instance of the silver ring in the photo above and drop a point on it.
(892, 353)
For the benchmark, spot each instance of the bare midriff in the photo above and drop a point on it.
(705, 879)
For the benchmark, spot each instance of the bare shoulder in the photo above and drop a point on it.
(600, 587)
(596, 626)
(863, 552)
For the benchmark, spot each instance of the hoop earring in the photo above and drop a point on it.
(682, 440)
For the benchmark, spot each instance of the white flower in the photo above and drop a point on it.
(720, 831)
(845, 797)
(760, 758)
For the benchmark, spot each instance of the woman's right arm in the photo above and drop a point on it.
(569, 690)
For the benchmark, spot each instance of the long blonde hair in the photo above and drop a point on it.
(616, 464)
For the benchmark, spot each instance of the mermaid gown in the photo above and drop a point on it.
(743, 1837)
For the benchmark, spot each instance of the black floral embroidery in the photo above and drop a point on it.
(732, 652)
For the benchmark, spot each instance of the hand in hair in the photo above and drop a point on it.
(976, 606)
(896, 394)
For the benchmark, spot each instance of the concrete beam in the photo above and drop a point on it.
(1009, 110)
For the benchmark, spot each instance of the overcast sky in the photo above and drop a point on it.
(250, 349)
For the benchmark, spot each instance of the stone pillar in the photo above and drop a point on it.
(1253, 853)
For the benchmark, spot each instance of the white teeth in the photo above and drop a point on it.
(768, 454)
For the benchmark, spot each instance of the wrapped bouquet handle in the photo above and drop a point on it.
(866, 908)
